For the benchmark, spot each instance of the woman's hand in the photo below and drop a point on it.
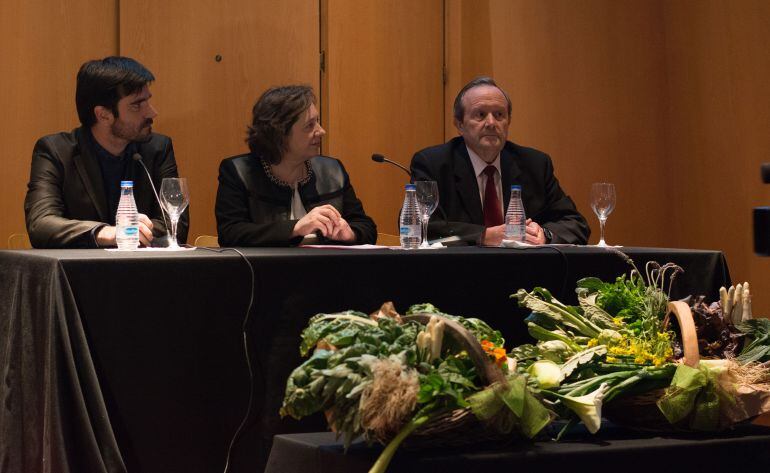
(343, 232)
(324, 219)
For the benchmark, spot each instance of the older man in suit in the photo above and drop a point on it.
(475, 171)
(74, 186)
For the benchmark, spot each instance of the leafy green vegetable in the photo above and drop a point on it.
(585, 356)
(595, 313)
(758, 330)
(480, 329)
(624, 298)
(541, 301)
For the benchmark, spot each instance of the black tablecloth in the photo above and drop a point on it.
(114, 361)
(747, 448)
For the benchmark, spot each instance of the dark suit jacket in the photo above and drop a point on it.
(252, 210)
(65, 196)
(459, 211)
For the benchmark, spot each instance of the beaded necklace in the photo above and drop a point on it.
(282, 183)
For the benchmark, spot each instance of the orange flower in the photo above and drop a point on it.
(497, 353)
(500, 356)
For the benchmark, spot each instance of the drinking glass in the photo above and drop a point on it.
(427, 198)
(174, 197)
(602, 202)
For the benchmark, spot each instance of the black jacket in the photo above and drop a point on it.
(459, 211)
(252, 210)
(65, 196)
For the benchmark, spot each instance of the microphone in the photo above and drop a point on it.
(138, 158)
(378, 158)
(765, 168)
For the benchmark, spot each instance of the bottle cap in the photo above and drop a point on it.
(126, 183)
(515, 187)
(410, 187)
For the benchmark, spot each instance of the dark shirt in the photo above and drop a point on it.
(114, 169)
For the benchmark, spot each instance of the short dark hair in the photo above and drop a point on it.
(104, 82)
(459, 110)
(272, 117)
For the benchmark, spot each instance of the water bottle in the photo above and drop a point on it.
(515, 219)
(127, 219)
(410, 230)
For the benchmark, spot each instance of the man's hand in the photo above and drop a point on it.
(535, 233)
(493, 236)
(106, 235)
(323, 219)
(145, 230)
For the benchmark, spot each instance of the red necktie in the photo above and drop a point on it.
(493, 214)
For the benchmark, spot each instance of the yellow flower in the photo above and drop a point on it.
(592, 343)
(640, 359)
(611, 359)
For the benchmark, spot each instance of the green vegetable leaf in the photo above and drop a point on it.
(541, 301)
(758, 331)
(582, 358)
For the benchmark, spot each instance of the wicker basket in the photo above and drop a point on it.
(458, 427)
(640, 411)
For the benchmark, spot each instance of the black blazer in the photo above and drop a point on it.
(65, 198)
(252, 210)
(459, 211)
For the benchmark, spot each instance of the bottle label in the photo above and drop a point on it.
(130, 231)
(515, 231)
(409, 231)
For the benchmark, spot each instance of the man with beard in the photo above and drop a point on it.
(74, 185)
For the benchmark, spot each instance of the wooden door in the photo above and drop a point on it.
(587, 81)
(42, 47)
(383, 93)
(211, 61)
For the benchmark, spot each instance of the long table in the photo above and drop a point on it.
(746, 448)
(134, 362)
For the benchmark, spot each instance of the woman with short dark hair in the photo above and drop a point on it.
(283, 193)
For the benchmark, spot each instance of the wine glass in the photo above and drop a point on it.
(602, 202)
(427, 198)
(174, 197)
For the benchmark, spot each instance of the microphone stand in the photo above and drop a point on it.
(138, 158)
(378, 158)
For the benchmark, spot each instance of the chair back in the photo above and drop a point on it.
(209, 241)
(19, 241)
(387, 239)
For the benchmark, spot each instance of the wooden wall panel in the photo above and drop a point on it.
(42, 45)
(205, 105)
(718, 122)
(587, 82)
(383, 85)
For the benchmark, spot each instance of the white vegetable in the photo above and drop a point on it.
(437, 338)
(547, 373)
(736, 303)
(723, 301)
(727, 310)
(737, 310)
(746, 303)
